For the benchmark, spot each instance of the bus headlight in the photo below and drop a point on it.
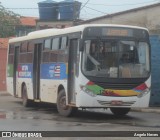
(143, 93)
(89, 92)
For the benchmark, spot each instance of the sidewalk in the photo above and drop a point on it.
(3, 92)
(147, 110)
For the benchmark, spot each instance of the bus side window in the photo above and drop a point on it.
(30, 50)
(64, 43)
(23, 48)
(23, 52)
(55, 43)
(47, 44)
(30, 47)
(11, 49)
(11, 54)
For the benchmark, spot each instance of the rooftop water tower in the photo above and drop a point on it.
(48, 10)
(69, 10)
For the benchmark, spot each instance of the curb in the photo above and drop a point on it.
(4, 93)
(147, 110)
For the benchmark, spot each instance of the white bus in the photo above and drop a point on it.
(86, 66)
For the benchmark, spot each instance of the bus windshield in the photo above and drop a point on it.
(116, 58)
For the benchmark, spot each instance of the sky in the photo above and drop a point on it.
(94, 8)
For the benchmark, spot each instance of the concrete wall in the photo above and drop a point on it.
(155, 59)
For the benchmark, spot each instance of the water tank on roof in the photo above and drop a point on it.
(69, 10)
(48, 10)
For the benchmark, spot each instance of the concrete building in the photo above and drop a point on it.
(41, 24)
(147, 16)
(27, 24)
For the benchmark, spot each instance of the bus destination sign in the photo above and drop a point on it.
(117, 32)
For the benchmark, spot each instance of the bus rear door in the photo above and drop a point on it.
(15, 69)
(36, 71)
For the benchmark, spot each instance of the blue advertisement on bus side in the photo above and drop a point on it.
(54, 71)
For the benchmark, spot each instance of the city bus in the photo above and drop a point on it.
(85, 66)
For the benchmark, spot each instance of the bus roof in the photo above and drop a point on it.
(51, 32)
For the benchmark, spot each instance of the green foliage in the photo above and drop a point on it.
(8, 21)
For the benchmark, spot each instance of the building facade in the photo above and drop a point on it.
(147, 16)
(3, 61)
(27, 24)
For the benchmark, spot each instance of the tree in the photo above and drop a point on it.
(8, 21)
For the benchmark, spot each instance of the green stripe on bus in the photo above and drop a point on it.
(10, 70)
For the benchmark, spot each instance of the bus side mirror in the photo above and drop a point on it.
(81, 45)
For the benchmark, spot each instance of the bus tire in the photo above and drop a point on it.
(25, 101)
(61, 105)
(120, 111)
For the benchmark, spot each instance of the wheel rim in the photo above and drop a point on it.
(24, 96)
(63, 103)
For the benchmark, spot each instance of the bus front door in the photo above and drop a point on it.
(15, 69)
(72, 60)
(36, 71)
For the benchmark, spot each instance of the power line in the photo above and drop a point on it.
(33, 8)
(84, 5)
(95, 10)
(127, 4)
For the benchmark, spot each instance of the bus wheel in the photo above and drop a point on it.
(120, 111)
(25, 101)
(62, 108)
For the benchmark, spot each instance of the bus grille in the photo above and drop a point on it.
(109, 103)
(118, 86)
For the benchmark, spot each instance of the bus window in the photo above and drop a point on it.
(46, 56)
(55, 43)
(30, 47)
(46, 53)
(23, 47)
(53, 56)
(47, 44)
(63, 43)
(11, 54)
(11, 49)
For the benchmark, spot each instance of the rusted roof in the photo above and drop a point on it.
(28, 21)
(120, 13)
